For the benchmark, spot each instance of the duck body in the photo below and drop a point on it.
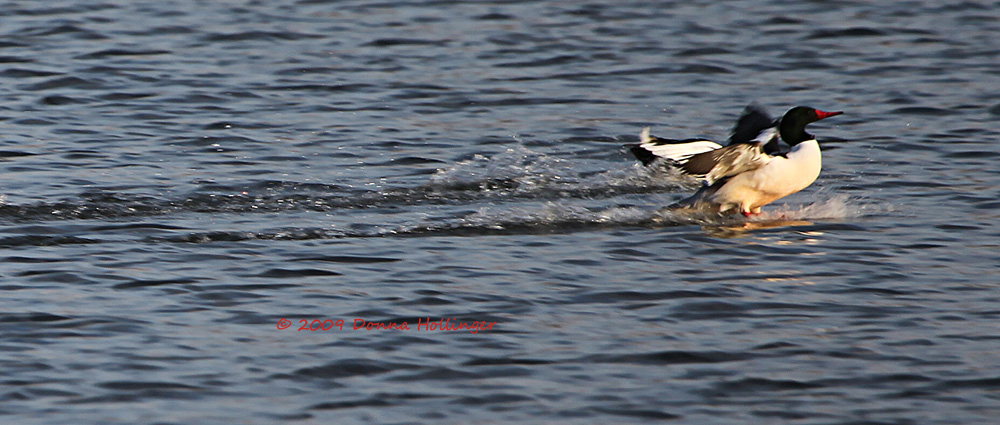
(748, 191)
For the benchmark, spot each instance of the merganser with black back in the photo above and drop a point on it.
(749, 172)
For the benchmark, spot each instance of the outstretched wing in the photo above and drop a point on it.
(752, 121)
(651, 148)
(722, 163)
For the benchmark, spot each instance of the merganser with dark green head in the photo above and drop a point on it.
(751, 171)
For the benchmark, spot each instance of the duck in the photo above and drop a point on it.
(752, 170)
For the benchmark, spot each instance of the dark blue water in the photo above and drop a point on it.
(181, 176)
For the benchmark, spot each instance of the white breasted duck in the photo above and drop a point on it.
(750, 172)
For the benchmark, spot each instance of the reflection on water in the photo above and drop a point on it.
(746, 228)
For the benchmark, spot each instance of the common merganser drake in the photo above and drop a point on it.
(751, 171)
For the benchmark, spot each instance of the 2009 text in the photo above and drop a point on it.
(423, 324)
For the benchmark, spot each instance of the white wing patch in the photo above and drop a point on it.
(766, 135)
(678, 151)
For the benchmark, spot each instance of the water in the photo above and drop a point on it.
(181, 176)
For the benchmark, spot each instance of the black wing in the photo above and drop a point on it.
(749, 126)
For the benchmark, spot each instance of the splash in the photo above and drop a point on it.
(552, 214)
(563, 216)
(828, 207)
(521, 172)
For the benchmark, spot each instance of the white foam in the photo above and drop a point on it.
(827, 207)
(519, 165)
(548, 213)
(519, 170)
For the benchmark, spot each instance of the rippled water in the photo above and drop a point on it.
(180, 176)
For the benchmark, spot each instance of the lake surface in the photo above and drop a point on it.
(189, 187)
